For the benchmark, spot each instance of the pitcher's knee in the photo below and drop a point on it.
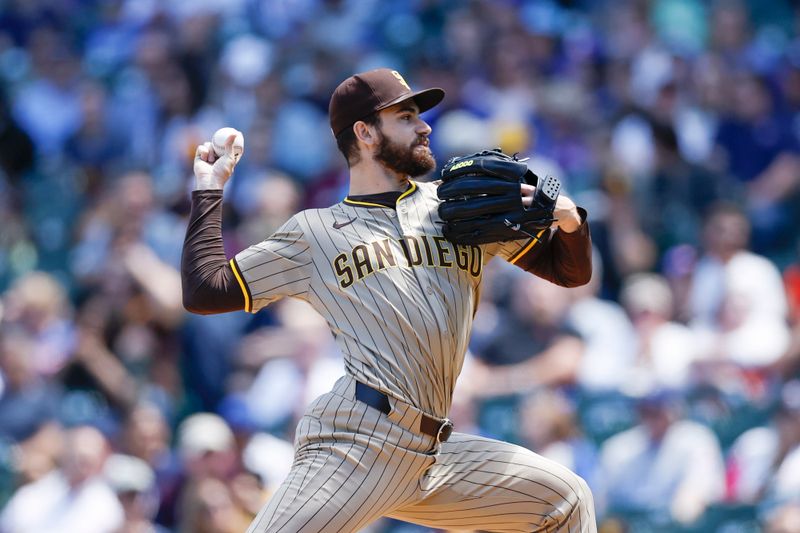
(581, 507)
(575, 511)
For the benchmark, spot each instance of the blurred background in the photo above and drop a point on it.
(671, 383)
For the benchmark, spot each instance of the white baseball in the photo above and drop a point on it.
(221, 135)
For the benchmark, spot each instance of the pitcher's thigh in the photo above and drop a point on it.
(480, 483)
(339, 487)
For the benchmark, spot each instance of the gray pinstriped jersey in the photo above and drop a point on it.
(397, 296)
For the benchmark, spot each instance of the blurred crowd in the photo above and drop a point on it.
(671, 382)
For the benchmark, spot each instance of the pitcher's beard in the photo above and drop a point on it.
(405, 159)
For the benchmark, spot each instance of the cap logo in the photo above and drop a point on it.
(400, 79)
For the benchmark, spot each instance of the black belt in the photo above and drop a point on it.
(440, 429)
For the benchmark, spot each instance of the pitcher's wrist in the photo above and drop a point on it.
(209, 182)
(571, 223)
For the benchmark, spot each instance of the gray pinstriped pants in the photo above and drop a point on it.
(353, 464)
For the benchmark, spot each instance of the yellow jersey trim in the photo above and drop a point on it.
(370, 204)
(409, 191)
(355, 202)
(247, 303)
(516, 257)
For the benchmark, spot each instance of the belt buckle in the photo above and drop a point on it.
(445, 430)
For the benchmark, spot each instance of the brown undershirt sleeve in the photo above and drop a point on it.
(562, 258)
(209, 283)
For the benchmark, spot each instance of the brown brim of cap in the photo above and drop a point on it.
(425, 99)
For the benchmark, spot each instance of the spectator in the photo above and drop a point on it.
(37, 306)
(27, 401)
(754, 135)
(146, 436)
(128, 216)
(300, 364)
(29, 411)
(134, 483)
(606, 332)
(96, 145)
(679, 195)
(665, 350)
(209, 508)
(208, 501)
(763, 461)
(207, 451)
(737, 299)
(762, 153)
(75, 497)
(665, 465)
(47, 107)
(531, 345)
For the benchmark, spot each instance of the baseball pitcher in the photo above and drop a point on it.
(396, 269)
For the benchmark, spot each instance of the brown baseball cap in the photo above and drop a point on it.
(367, 92)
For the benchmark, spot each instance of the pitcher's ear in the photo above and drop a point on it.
(365, 133)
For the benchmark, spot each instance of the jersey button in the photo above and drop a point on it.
(392, 214)
(429, 290)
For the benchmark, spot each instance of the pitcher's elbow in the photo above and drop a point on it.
(192, 304)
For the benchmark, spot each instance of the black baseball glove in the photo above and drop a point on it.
(482, 203)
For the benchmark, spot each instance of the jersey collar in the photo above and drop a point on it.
(366, 203)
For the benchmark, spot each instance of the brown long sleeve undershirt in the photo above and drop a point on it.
(209, 284)
(560, 257)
